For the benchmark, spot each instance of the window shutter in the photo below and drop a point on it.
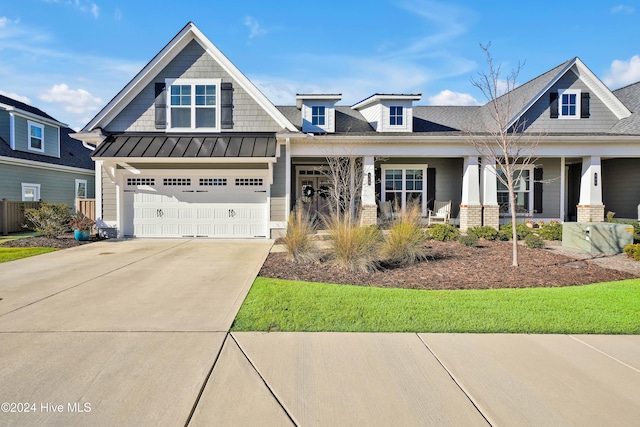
(584, 105)
(226, 105)
(537, 190)
(553, 105)
(431, 187)
(161, 106)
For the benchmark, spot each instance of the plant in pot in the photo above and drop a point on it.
(81, 225)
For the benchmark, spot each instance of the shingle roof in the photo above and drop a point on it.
(187, 145)
(630, 96)
(347, 119)
(72, 153)
(24, 107)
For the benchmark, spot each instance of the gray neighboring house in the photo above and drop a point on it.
(38, 158)
(190, 147)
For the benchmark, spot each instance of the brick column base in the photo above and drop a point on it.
(590, 213)
(491, 216)
(470, 216)
(369, 215)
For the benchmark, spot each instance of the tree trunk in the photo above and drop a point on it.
(514, 228)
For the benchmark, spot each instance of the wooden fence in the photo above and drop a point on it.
(12, 215)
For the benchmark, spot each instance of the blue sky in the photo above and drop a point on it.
(70, 57)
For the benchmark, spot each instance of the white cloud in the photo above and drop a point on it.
(447, 97)
(623, 72)
(621, 8)
(81, 5)
(255, 29)
(15, 96)
(95, 10)
(117, 15)
(74, 101)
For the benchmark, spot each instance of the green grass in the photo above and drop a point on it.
(14, 236)
(281, 305)
(12, 254)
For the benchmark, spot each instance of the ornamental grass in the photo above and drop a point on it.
(298, 239)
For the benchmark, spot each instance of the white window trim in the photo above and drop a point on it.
(404, 168)
(311, 107)
(86, 188)
(25, 185)
(530, 168)
(41, 127)
(404, 116)
(193, 83)
(576, 92)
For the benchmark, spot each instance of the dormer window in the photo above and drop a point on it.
(318, 116)
(36, 136)
(396, 116)
(193, 104)
(569, 104)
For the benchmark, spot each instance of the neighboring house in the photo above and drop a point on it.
(38, 158)
(190, 147)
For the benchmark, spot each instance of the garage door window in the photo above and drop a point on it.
(141, 181)
(249, 181)
(215, 182)
(176, 181)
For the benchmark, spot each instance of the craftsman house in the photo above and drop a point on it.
(190, 147)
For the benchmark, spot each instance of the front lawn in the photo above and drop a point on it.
(283, 305)
(11, 254)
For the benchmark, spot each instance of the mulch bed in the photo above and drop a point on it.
(61, 242)
(455, 266)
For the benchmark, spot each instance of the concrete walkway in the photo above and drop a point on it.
(135, 333)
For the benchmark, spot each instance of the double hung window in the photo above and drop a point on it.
(193, 104)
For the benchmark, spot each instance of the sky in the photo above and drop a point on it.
(70, 57)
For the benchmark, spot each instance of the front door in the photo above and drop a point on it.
(313, 193)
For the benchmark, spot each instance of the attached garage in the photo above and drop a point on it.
(191, 186)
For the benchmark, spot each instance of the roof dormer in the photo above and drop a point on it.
(318, 112)
(388, 112)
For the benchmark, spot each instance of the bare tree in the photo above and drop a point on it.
(503, 139)
(345, 176)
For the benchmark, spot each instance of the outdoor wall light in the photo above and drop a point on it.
(595, 179)
(369, 178)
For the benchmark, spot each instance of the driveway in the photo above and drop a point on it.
(118, 332)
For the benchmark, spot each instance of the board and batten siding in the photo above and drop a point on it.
(56, 186)
(538, 119)
(620, 191)
(278, 208)
(5, 126)
(51, 137)
(193, 62)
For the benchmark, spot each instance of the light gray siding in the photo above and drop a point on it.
(5, 126)
(55, 186)
(620, 189)
(278, 188)
(51, 137)
(109, 205)
(550, 188)
(601, 118)
(193, 62)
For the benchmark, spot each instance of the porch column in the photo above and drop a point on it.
(470, 207)
(590, 207)
(369, 210)
(490, 207)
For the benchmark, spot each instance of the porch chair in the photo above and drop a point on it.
(385, 211)
(440, 213)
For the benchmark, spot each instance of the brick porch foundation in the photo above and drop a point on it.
(590, 213)
(369, 215)
(470, 216)
(491, 216)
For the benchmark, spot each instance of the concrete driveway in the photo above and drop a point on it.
(118, 332)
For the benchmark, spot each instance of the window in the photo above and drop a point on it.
(193, 104)
(81, 188)
(176, 181)
(141, 181)
(318, 117)
(396, 116)
(523, 190)
(215, 182)
(30, 192)
(403, 185)
(569, 104)
(36, 136)
(249, 181)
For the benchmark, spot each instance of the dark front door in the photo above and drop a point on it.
(574, 175)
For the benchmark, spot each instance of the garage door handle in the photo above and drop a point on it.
(159, 213)
(261, 191)
(232, 213)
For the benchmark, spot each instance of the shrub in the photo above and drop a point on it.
(633, 251)
(551, 231)
(352, 246)
(534, 241)
(405, 242)
(521, 228)
(297, 240)
(443, 232)
(50, 219)
(484, 232)
(81, 222)
(469, 240)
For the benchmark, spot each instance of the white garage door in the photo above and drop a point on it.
(209, 206)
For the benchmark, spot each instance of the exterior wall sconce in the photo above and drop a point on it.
(369, 178)
(595, 179)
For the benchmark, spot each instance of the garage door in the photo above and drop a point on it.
(204, 206)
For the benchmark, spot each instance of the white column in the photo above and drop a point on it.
(563, 193)
(470, 182)
(369, 181)
(591, 182)
(489, 181)
(98, 192)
